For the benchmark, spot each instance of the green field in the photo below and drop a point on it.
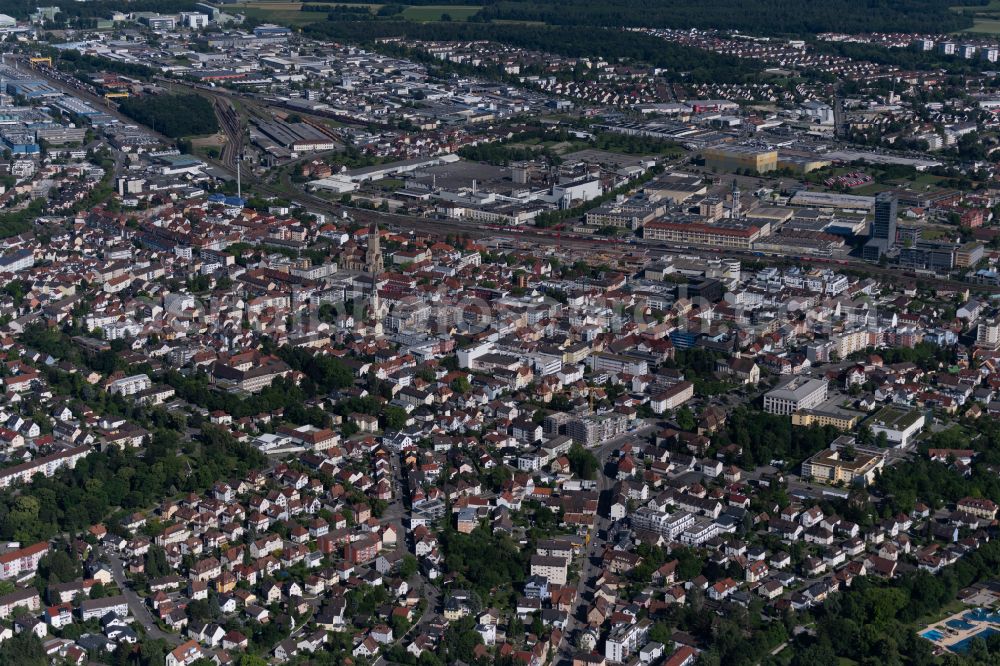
(986, 18)
(870, 189)
(292, 18)
(984, 26)
(925, 179)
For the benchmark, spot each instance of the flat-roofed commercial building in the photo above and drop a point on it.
(734, 158)
(969, 255)
(794, 394)
(899, 425)
(801, 162)
(696, 233)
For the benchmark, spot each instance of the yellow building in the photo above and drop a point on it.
(801, 164)
(839, 420)
(835, 465)
(736, 158)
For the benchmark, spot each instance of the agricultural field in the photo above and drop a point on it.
(986, 18)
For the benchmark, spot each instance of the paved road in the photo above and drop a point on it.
(592, 563)
(431, 594)
(138, 609)
(433, 597)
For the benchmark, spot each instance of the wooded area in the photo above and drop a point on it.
(173, 115)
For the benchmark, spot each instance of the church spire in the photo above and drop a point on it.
(373, 257)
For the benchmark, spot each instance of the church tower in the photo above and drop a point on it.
(373, 257)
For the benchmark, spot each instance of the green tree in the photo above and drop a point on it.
(582, 462)
(685, 419)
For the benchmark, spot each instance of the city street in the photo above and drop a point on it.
(136, 606)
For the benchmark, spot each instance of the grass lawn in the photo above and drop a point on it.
(984, 26)
(288, 17)
(927, 179)
(933, 234)
(947, 610)
(986, 19)
(870, 189)
(389, 184)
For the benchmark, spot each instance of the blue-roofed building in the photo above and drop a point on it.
(986, 276)
(32, 89)
(20, 141)
(177, 164)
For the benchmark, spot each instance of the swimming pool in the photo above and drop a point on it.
(961, 625)
(932, 635)
(962, 646)
(982, 615)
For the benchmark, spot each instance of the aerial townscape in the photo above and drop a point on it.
(521, 333)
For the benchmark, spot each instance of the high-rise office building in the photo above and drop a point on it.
(883, 229)
(884, 226)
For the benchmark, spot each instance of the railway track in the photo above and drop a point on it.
(232, 126)
(229, 121)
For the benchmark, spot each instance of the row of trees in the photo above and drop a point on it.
(501, 155)
(80, 63)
